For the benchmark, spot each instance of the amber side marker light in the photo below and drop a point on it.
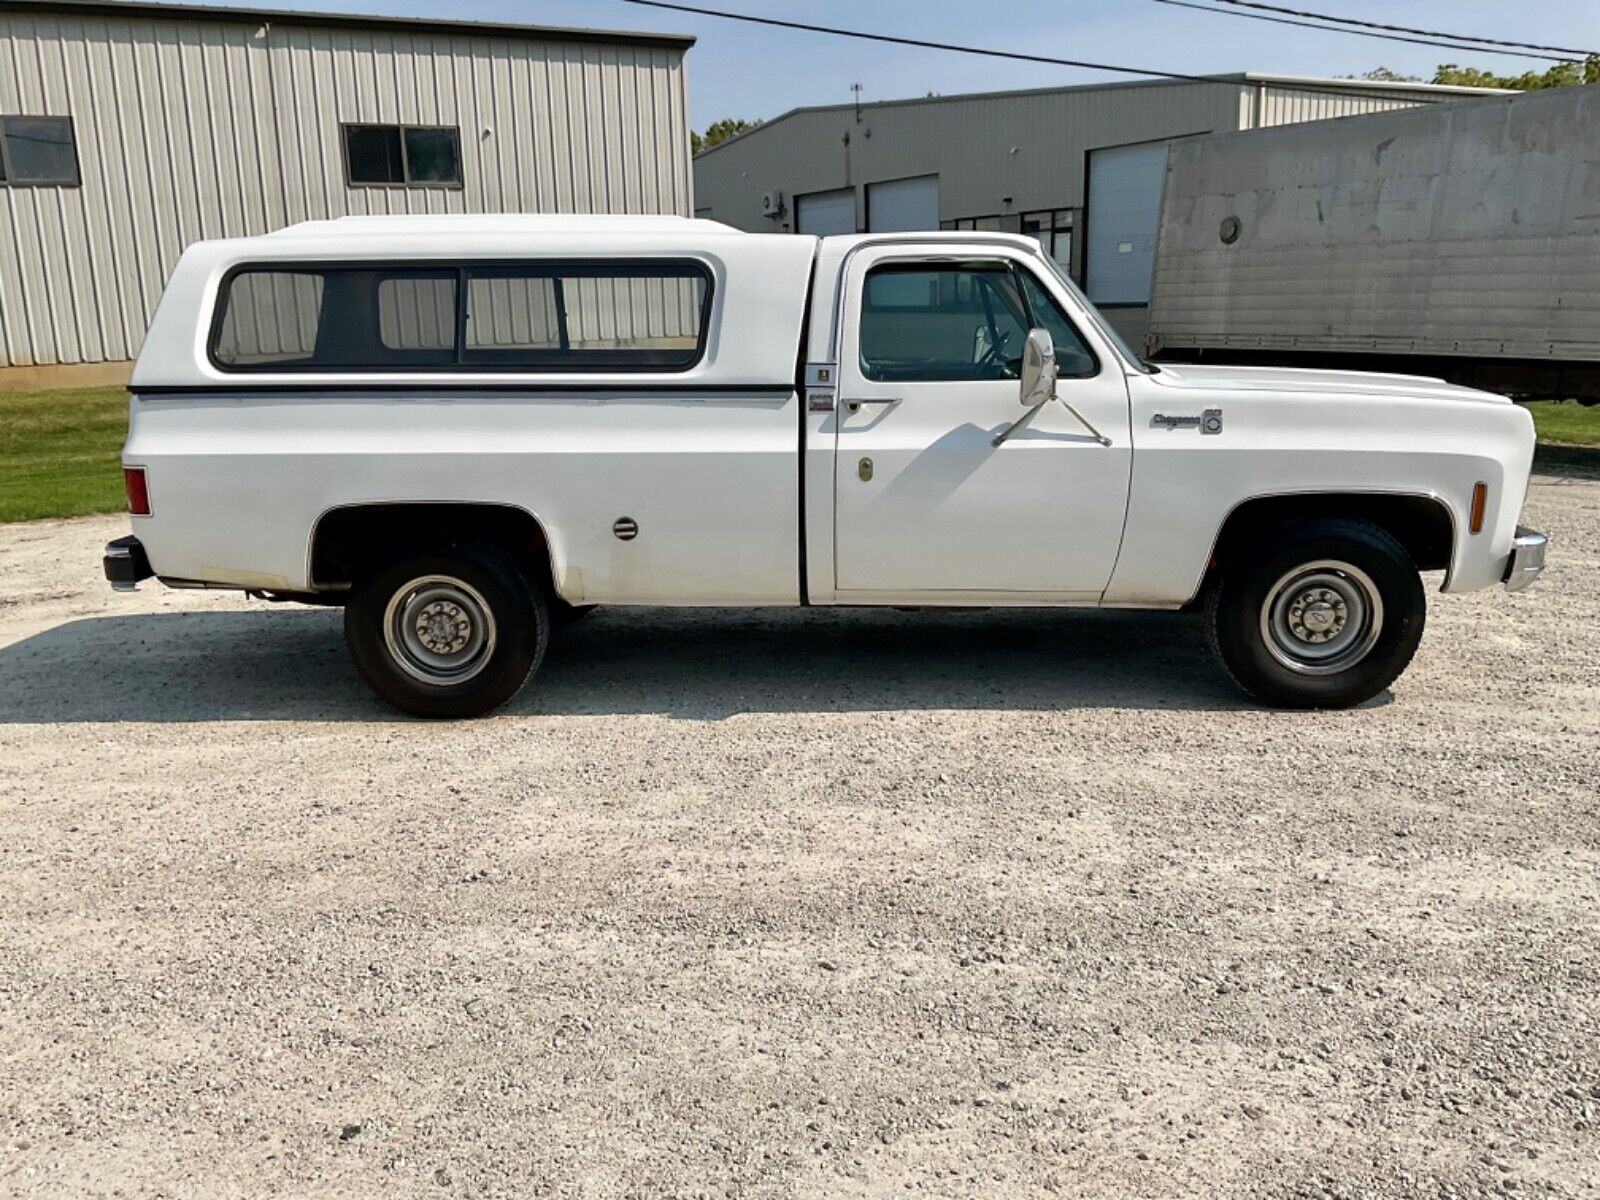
(1480, 501)
(138, 491)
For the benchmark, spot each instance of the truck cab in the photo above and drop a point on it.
(468, 430)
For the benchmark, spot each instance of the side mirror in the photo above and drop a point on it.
(1038, 369)
(1039, 387)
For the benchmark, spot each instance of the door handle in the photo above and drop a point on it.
(855, 405)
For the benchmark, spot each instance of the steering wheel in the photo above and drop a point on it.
(991, 356)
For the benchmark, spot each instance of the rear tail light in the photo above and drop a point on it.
(138, 491)
(1480, 501)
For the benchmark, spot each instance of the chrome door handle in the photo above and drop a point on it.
(855, 405)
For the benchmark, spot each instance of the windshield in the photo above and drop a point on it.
(1100, 323)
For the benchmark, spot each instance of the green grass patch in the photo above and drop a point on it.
(1566, 421)
(61, 452)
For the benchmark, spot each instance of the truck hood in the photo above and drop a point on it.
(1191, 377)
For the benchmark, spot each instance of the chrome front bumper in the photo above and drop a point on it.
(1527, 559)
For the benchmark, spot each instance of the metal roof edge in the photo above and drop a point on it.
(1372, 85)
(278, 16)
(1313, 82)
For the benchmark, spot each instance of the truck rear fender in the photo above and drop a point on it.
(348, 539)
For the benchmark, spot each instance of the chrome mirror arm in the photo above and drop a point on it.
(1000, 438)
(1005, 434)
(1084, 421)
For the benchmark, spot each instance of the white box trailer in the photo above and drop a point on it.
(1460, 240)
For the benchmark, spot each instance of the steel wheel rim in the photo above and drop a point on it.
(439, 630)
(1322, 617)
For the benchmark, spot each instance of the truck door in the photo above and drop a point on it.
(927, 508)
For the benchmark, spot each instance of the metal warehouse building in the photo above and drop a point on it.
(1080, 168)
(128, 131)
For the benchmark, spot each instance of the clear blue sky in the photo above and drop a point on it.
(749, 71)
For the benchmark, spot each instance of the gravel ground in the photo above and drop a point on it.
(795, 904)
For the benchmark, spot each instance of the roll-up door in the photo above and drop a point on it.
(903, 204)
(822, 213)
(1123, 219)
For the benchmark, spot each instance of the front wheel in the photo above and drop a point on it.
(452, 631)
(1317, 614)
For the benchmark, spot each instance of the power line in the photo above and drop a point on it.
(1388, 37)
(1460, 37)
(906, 41)
(1017, 56)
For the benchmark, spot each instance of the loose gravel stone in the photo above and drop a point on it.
(1099, 924)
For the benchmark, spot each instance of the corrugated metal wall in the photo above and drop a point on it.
(1029, 146)
(189, 129)
(1281, 104)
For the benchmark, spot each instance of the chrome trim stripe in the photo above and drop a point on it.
(621, 391)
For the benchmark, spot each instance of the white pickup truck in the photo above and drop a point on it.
(467, 430)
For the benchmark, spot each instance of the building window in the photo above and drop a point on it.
(475, 317)
(995, 223)
(1051, 228)
(402, 155)
(38, 152)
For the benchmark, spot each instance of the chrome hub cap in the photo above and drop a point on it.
(1318, 616)
(443, 627)
(439, 630)
(1322, 617)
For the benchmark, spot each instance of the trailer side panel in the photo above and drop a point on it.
(1469, 229)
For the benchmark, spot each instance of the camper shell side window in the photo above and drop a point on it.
(556, 316)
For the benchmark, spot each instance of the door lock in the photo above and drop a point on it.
(864, 470)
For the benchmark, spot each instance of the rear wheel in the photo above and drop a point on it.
(452, 631)
(1317, 614)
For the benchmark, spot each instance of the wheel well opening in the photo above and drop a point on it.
(1422, 524)
(348, 541)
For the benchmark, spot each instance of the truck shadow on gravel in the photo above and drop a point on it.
(290, 664)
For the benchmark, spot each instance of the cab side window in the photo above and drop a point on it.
(931, 322)
(937, 322)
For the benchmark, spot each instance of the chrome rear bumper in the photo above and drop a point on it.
(125, 564)
(1527, 559)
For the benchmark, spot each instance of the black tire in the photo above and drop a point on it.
(1262, 626)
(408, 662)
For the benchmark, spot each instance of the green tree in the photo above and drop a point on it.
(1385, 75)
(719, 132)
(1566, 74)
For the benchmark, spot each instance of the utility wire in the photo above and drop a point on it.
(1389, 37)
(906, 41)
(1460, 37)
(1017, 56)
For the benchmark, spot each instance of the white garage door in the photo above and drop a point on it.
(1124, 216)
(822, 213)
(903, 204)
